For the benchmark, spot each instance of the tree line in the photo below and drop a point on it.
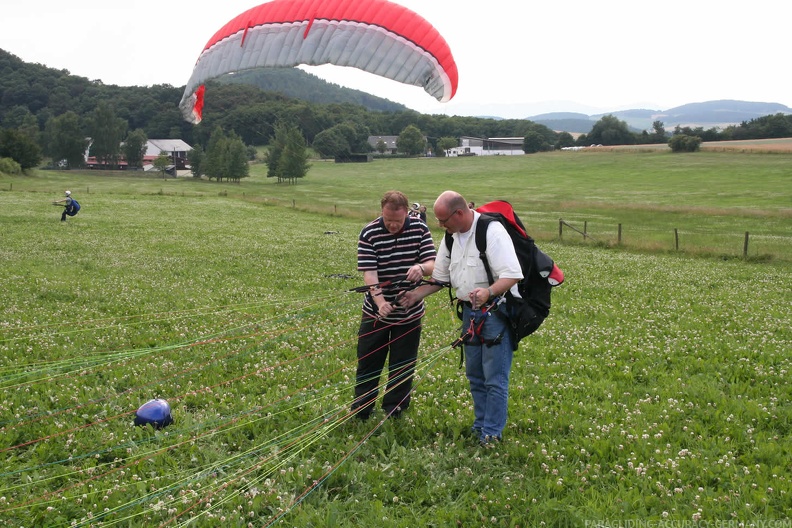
(46, 112)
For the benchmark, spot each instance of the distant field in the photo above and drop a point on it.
(750, 145)
(779, 145)
(711, 198)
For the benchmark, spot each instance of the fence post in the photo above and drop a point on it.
(676, 239)
(335, 209)
(294, 204)
(745, 245)
(560, 228)
(585, 229)
(620, 233)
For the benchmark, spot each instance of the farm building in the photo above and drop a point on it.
(386, 142)
(174, 148)
(472, 146)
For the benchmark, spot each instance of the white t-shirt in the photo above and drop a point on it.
(464, 268)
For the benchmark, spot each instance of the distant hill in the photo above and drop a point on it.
(707, 115)
(576, 123)
(298, 84)
(718, 112)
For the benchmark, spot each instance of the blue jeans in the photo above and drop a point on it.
(488, 360)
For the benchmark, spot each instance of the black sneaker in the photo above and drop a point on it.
(361, 415)
(489, 442)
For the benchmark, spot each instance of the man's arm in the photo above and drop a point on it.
(412, 297)
(371, 278)
(480, 296)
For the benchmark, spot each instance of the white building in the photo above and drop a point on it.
(472, 146)
(176, 149)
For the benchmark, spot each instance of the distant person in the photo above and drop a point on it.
(471, 205)
(70, 206)
(394, 246)
(422, 213)
(488, 349)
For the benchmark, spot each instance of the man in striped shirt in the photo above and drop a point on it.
(394, 246)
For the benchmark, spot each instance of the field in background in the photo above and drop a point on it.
(744, 146)
(781, 145)
(658, 390)
(710, 199)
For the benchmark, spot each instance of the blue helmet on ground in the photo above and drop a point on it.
(156, 412)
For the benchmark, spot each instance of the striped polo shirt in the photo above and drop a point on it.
(391, 256)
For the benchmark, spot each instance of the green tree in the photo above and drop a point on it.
(235, 159)
(162, 162)
(411, 141)
(22, 119)
(64, 140)
(564, 140)
(357, 135)
(135, 148)
(444, 144)
(609, 130)
(332, 143)
(381, 146)
(659, 134)
(684, 143)
(20, 148)
(214, 161)
(273, 155)
(10, 167)
(107, 131)
(195, 158)
(293, 161)
(534, 142)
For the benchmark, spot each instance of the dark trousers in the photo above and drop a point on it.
(67, 211)
(376, 342)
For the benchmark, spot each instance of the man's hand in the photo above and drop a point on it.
(406, 299)
(415, 273)
(385, 309)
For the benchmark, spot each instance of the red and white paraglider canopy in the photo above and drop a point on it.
(376, 36)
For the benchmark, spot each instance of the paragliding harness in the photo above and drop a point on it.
(473, 333)
(540, 274)
(73, 208)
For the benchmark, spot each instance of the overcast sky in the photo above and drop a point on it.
(515, 57)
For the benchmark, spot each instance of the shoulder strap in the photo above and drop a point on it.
(481, 243)
(449, 242)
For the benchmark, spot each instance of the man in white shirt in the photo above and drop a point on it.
(488, 343)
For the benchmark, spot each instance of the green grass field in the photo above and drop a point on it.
(658, 390)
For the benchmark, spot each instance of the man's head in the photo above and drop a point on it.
(394, 211)
(68, 193)
(452, 212)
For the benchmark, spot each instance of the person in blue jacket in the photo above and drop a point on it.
(70, 206)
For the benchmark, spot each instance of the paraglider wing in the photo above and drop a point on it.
(376, 36)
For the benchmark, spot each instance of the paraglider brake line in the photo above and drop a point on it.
(401, 283)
